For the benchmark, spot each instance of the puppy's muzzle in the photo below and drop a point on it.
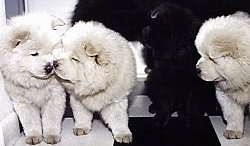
(48, 68)
(198, 71)
(55, 64)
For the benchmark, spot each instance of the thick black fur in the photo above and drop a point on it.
(205, 9)
(124, 16)
(128, 17)
(170, 54)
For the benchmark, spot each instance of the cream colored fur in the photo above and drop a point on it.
(97, 67)
(38, 98)
(224, 44)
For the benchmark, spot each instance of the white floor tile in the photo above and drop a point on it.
(99, 136)
(220, 127)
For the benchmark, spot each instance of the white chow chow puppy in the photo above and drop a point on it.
(224, 45)
(27, 68)
(98, 70)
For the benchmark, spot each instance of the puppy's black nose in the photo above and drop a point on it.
(55, 64)
(48, 68)
(147, 70)
(198, 71)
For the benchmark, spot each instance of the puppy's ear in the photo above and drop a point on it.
(102, 60)
(92, 51)
(19, 38)
(222, 48)
(154, 14)
(57, 22)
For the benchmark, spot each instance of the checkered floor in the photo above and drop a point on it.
(101, 136)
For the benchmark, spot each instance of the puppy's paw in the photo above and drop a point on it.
(52, 139)
(81, 131)
(161, 120)
(152, 108)
(32, 140)
(123, 137)
(230, 134)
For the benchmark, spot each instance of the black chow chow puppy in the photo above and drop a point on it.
(171, 57)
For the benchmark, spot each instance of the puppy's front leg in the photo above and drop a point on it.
(116, 116)
(52, 117)
(234, 115)
(83, 117)
(29, 116)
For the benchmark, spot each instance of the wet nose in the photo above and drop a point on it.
(147, 70)
(55, 64)
(198, 71)
(48, 68)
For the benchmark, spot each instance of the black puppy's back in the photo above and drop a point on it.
(127, 17)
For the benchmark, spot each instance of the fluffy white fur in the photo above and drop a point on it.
(97, 67)
(38, 98)
(224, 44)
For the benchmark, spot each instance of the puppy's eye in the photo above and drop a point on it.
(213, 60)
(75, 59)
(34, 54)
(18, 43)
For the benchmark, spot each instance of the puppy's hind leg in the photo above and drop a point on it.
(116, 116)
(29, 116)
(83, 117)
(52, 117)
(233, 114)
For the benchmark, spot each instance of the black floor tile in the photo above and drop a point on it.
(174, 134)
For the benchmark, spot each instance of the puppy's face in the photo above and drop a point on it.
(29, 55)
(207, 69)
(217, 58)
(26, 47)
(169, 38)
(78, 64)
(222, 61)
(82, 65)
(223, 44)
(73, 61)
